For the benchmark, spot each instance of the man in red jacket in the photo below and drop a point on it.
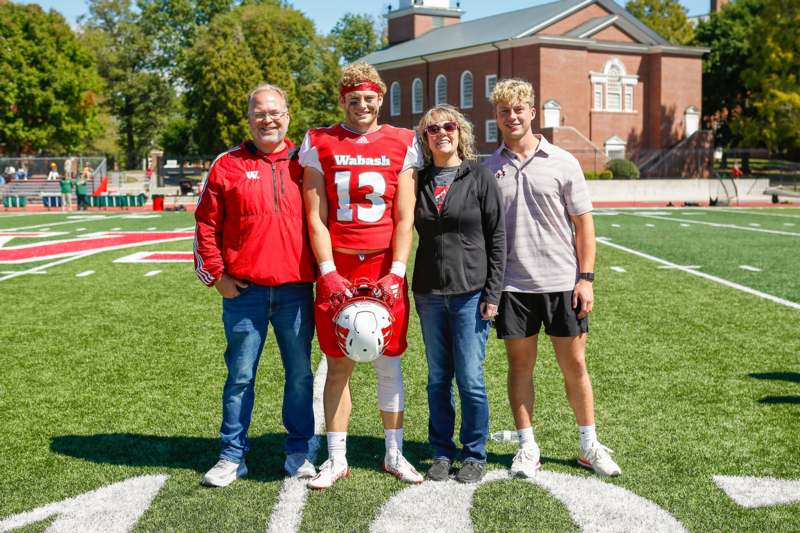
(251, 244)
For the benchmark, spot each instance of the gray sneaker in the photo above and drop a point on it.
(439, 470)
(471, 472)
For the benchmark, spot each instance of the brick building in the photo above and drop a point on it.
(606, 85)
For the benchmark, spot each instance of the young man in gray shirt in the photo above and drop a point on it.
(549, 272)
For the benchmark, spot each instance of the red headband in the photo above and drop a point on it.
(363, 86)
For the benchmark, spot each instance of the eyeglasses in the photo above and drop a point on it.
(449, 127)
(274, 115)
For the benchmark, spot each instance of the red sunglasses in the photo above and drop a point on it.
(449, 127)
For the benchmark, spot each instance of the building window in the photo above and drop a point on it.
(491, 81)
(552, 114)
(394, 99)
(598, 96)
(491, 131)
(615, 148)
(612, 89)
(691, 120)
(416, 96)
(437, 22)
(466, 90)
(441, 89)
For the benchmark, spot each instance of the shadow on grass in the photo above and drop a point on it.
(264, 461)
(780, 399)
(791, 377)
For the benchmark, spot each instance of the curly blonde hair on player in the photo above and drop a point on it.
(360, 72)
(513, 91)
(448, 113)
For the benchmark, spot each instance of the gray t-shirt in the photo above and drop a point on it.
(539, 195)
(443, 177)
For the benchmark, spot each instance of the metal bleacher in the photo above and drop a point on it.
(33, 189)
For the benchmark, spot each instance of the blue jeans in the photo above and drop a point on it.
(455, 345)
(290, 310)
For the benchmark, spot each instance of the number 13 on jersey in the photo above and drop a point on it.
(350, 204)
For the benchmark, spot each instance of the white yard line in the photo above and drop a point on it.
(617, 269)
(152, 273)
(188, 228)
(668, 267)
(715, 279)
(721, 225)
(615, 226)
(750, 268)
(78, 221)
(35, 270)
(650, 225)
(288, 512)
(765, 214)
(84, 273)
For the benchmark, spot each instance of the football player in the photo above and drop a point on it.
(359, 189)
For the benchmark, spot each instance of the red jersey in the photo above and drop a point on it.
(250, 219)
(361, 173)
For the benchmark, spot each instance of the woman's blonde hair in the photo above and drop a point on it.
(512, 91)
(359, 73)
(447, 113)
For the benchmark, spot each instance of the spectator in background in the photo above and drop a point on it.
(53, 174)
(68, 169)
(66, 185)
(22, 172)
(82, 188)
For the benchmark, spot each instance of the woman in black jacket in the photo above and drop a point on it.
(458, 277)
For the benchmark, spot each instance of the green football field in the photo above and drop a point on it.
(112, 374)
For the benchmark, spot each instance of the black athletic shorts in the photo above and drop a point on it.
(521, 315)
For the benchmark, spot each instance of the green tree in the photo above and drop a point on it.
(49, 84)
(354, 36)
(773, 79)
(174, 25)
(250, 45)
(665, 17)
(728, 34)
(139, 97)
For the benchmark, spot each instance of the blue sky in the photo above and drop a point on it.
(325, 13)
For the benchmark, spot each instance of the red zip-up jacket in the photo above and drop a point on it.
(250, 219)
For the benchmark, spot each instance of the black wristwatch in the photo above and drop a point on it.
(588, 276)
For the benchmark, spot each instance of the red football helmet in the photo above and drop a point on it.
(364, 323)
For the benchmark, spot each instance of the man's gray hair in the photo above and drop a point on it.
(266, 87)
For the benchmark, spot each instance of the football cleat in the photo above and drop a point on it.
(224, 473)
(330, 472)
(396, 464)
(526, 462)
(363, 324)
(598, 458)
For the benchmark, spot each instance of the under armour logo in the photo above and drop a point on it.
(252, 175)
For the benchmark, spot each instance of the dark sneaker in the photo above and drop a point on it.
(439, 470)
(471, 472)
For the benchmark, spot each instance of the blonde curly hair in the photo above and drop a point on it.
(513, 91)
(360, 72)
(447, 113)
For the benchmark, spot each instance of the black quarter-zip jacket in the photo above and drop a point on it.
(463, 248)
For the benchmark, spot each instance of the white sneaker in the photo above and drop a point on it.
(297, 465)
(329, 473)
(396, 464)
(526, 462)
(224, 473)
(598, 458)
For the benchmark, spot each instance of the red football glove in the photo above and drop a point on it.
(390, 285)
(334, 288)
